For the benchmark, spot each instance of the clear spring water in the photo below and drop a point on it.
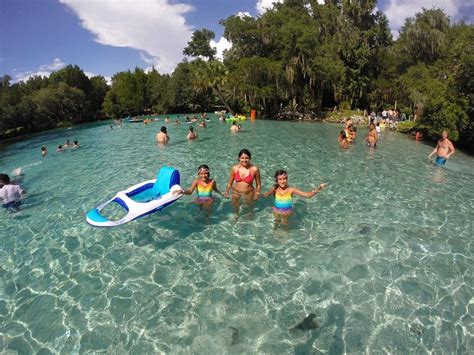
(383, 257)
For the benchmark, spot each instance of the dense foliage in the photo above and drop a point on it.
(67, 97)
(300, 55)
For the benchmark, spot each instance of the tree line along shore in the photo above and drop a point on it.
(298, 59)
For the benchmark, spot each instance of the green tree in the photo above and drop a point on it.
(423, 38)
(73, 76)
(111, 105)
(180, 93)
(200, 44)
(157, 87)
(97, 95)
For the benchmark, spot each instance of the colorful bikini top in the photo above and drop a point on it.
(283, 201)
(204, 190)
(248, 179)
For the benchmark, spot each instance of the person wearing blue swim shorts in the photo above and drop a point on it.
(443, 150)
(440, 161)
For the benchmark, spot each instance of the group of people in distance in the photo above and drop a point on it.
(61, 147)
(241, 187)
(73, 145)
(443, 150)
(162, 136)
(176, 121)
(10, 190)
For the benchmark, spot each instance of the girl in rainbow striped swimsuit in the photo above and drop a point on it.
(204, 186)
(283, 207)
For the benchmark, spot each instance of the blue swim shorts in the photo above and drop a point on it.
(440, 161)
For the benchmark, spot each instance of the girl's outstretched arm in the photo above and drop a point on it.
(309, 193)
(190, 190)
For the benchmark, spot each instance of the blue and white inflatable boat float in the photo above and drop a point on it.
(141, 199)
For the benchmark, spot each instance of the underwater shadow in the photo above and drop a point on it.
(182, 221)
(336, 318)
(187, 218)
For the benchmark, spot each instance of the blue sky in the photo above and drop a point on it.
(104, 37)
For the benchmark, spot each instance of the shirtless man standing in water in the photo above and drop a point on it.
(444, 149)
(162, 136)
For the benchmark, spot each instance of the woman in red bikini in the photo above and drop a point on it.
(241, 180)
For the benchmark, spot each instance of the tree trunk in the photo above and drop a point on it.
(223, 100)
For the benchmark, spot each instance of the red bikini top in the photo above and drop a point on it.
(248, 179)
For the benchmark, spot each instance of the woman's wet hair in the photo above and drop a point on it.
(191, 128)
(246, 152)
(163, 129)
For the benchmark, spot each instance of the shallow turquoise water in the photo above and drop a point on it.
(383, 257)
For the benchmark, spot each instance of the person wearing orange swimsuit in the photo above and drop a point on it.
(241, 180)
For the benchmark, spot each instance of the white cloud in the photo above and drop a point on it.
(156, 27)
(108, 79)
(55, 65)
(243, 14)
(264, 5)
(220, 46)
(24, 76)
(146, 58)
(43, 70)
(398, 10)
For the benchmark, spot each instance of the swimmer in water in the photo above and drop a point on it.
(443, 150)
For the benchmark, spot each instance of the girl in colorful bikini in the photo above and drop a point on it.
(204, 186)
(241, 180)
(283, 207)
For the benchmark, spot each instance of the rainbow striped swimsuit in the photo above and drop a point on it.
(283, 203)
(204, 191)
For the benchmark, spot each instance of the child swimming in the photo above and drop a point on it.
(204, 186)
(10, 193)
(342, 139)
(283, 207)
